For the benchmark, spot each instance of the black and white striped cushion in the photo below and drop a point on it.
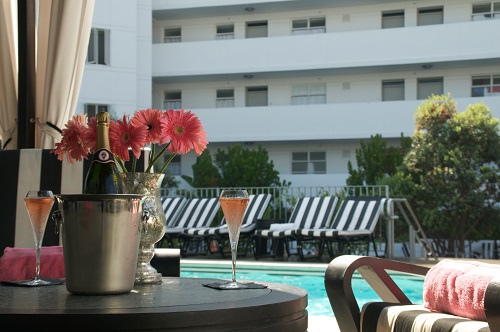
(357, 216)
(308, 213)
(255, 210)
(385, 317)
(197, 212)
(172, 207)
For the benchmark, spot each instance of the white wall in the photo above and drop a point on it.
(126, 83)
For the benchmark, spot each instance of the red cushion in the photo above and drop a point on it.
(20, 263)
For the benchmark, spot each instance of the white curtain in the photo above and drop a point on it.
(63, 36)
(8, 73)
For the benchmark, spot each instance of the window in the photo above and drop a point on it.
(393, 19)
(428, 16)
(256, 96)
(173, 100)
(172, 35)
(225, 31)
(486, 85)
(428, 86)
(393, 90)
(486, 11)
(93, 109)
(174, 167)
(308, 26)
(98, 50)
(256, 29)
(308, 163)
(225, 98)
(309, 94)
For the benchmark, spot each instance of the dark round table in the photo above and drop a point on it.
(177, 304)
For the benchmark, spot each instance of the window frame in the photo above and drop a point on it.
(224, 101)
(172, 38)
(308, 161)
(224, 35)
(486, 15)
(393, 14)
(429, 80)
(172, 103)
(309, 96)
(94, 55)
(394, 83)
(96, 109)
(309, 28)
(423, 14)
(487, 89)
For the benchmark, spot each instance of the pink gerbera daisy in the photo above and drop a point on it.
(89, 137)
(71, 143)
(185, 131)
(151, 119)
(122, 136)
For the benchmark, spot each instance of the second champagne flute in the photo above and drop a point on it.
(234, 203)
(38, 203)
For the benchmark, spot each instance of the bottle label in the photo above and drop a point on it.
(104, 156)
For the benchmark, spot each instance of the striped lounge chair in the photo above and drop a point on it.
(395, 312)
(257, 205)
(308, 213)
(172, 206)
(355, 221)
(196, 212)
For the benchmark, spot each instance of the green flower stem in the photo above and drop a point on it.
(120, 162)
(155, 159)
(167, 162)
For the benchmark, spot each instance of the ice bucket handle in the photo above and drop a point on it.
(145, 221)
(57, 217)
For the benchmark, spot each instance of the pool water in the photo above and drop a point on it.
(319, 305)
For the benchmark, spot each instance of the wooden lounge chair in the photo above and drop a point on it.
(257, 205)
(308, 213)
(197, 212)
(355, 221)
(395, 312)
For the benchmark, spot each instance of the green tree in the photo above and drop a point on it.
(242, 167)
(454, 164)
(205, 173)
(376, 161)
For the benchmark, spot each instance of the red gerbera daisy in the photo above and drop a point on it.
(185, 131)
(122, 136)
(151, 119)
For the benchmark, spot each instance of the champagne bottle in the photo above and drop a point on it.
(103, 176)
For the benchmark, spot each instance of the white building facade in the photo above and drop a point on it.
(306, 79)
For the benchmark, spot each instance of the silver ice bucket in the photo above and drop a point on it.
(100, 236)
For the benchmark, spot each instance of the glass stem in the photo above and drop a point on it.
(37, 271)
(234, 252)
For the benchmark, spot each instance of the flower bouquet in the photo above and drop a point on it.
(180, 130)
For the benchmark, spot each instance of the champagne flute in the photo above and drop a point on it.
(234, 203)
(38, 203)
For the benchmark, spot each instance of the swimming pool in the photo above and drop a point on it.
(307, 276)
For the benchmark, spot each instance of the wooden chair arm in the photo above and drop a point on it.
(338, 284)
(492, 304)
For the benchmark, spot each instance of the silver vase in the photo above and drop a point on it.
(148, 185)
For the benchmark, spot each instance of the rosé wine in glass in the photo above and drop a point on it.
(233, 203)
(38, 203)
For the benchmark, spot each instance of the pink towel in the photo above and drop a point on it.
(19, 263)
(458, 287)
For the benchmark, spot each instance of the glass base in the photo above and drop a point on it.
(146, 274)
(37, 282)
(232, 285)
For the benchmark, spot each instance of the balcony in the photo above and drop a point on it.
(445, 46)
(319, 122)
